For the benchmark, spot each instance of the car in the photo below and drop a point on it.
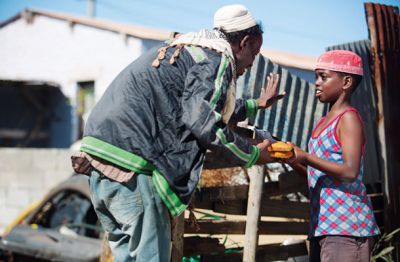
(63, 226)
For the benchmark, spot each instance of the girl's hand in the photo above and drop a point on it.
(299, 155)
(268, 94)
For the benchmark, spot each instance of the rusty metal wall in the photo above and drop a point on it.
(383, 25)
(291, 119)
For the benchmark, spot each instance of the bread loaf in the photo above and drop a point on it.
(280, 150)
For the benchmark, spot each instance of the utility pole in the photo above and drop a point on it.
(91, 11)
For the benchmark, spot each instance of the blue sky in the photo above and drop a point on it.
(303, 27)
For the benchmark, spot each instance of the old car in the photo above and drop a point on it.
(63, 226)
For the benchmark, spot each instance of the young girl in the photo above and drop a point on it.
(341, 219)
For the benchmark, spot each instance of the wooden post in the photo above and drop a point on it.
(177, 238)
(256, 175)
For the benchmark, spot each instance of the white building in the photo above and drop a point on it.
(53, 68)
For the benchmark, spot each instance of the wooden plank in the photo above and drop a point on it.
(291, 181)
(239, 192)
(377, 201)
(271, 252)
(178, 226)
(233, 207)
(285, 208)
(276, 252)
(238, 227)
(373, 188)
(222, 193)
(214, 160)
(269, 207)
(216, 227)
(231, 257)
(288, 184)
(196, 245)
(256, 175)
(204, 196)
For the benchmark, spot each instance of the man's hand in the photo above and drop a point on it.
(268, 94)
(264, 155)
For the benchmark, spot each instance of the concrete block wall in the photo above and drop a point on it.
(26, 175)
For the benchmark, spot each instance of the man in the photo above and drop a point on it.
(145, 141)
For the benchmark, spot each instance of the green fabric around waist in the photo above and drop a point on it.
(115, 155)
(137, 164)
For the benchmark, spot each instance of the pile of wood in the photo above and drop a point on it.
(225, 192)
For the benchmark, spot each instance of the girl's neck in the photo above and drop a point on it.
(339, 106)
(336, 109)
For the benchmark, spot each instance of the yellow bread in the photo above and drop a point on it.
(278, 154)
(280, 150)
(280, 146)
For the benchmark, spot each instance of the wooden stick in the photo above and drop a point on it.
(177, 239)
(256, 175)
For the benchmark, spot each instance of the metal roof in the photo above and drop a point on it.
(289, 59)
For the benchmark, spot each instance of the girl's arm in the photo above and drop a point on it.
(351, 135)
(299, 168)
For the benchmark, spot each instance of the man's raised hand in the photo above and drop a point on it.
(268, 94)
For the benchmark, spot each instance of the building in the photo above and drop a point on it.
(54, 67)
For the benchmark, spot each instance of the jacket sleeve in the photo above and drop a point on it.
(203, 99)
(244, 109)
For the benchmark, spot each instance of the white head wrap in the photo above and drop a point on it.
(233, 18)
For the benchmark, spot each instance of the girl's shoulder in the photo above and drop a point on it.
(349, 116)
(350, 124)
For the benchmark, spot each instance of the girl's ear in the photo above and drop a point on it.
(347, 82)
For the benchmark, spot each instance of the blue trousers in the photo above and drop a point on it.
(134, 216)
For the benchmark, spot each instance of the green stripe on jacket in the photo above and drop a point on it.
(218, 81)
(250, 159)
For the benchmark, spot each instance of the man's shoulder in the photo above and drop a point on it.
(212, 53)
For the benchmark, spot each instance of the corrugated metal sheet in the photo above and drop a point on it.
(384, 24)
(291, 119)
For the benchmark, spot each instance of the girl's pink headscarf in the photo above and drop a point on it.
(341, 61)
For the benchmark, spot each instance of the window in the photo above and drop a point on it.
(85, 102)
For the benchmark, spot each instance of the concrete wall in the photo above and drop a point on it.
(26, 175)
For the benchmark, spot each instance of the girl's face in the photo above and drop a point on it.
(328, 85)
